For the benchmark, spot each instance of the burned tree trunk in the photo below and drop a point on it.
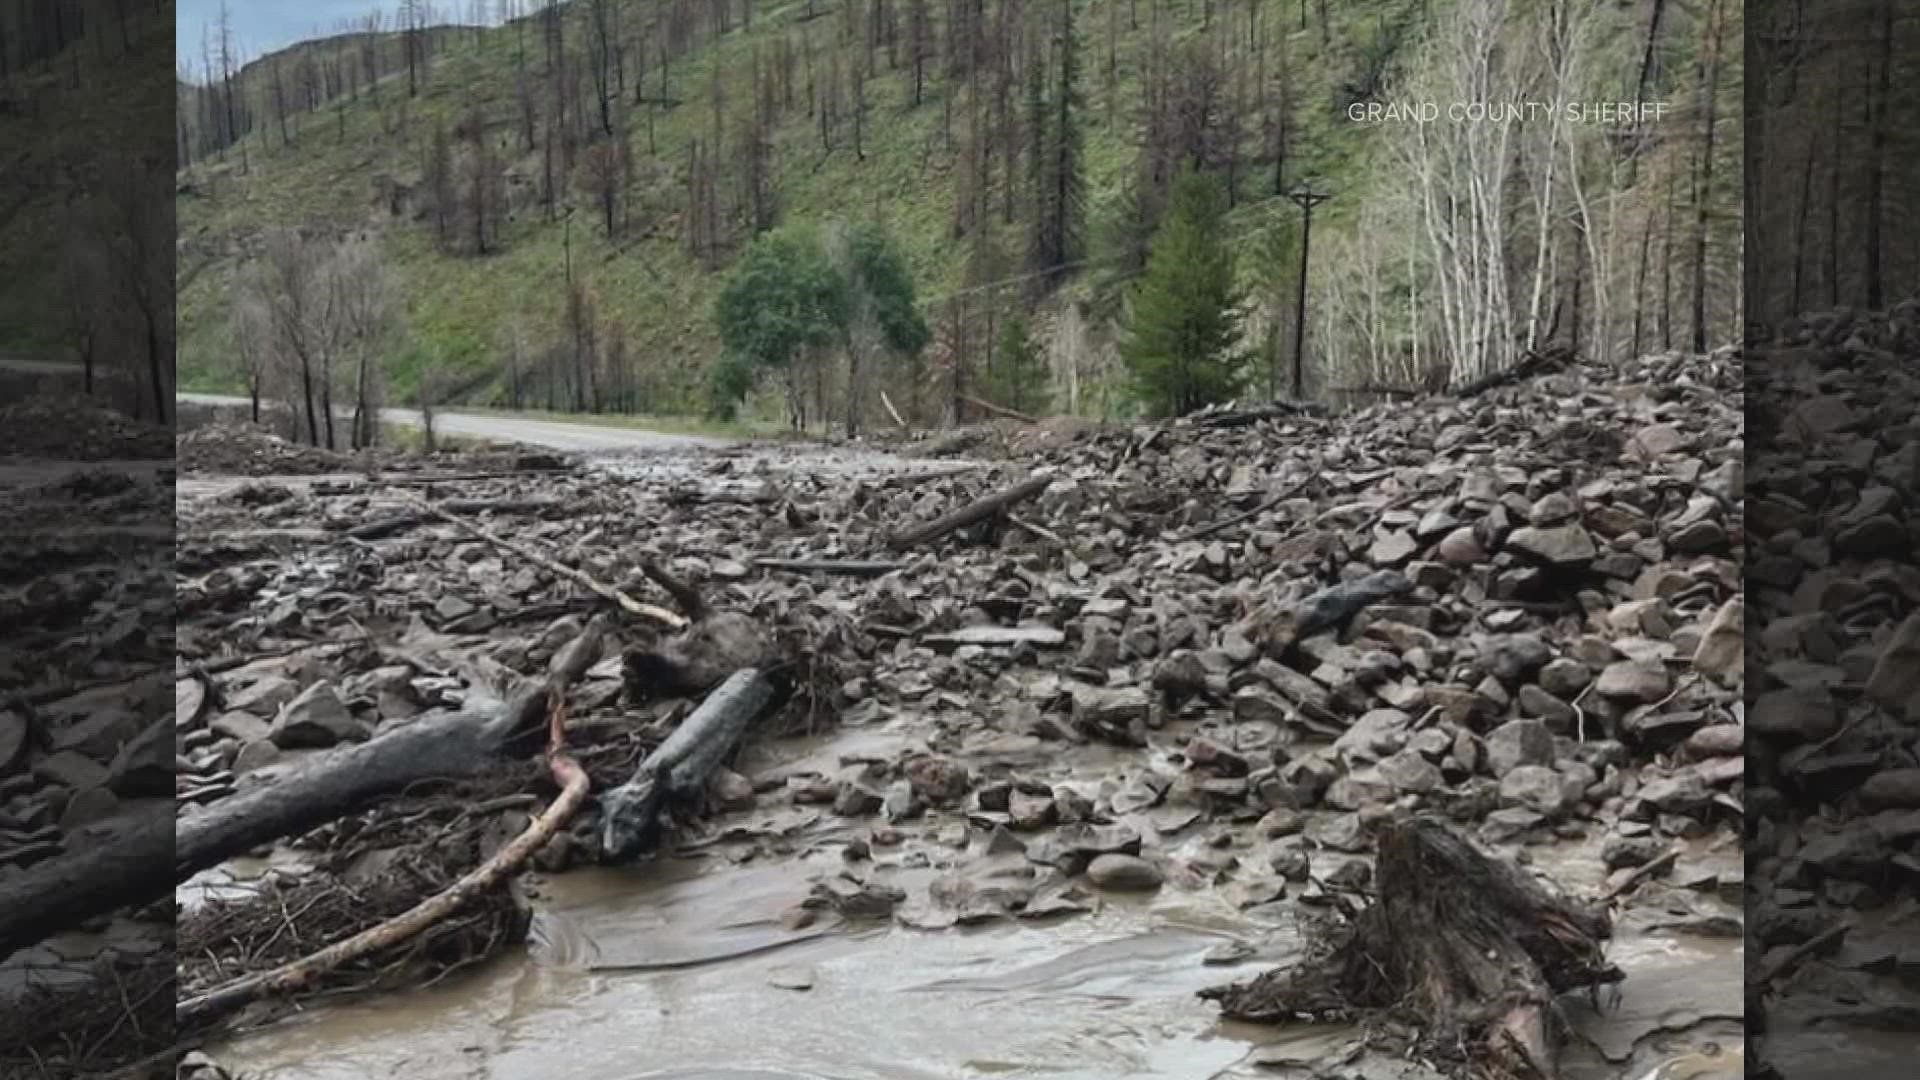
(452, 745)
(678, 769)
(981, 509)
(1470, 947)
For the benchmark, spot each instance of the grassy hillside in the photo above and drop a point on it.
(336, 167)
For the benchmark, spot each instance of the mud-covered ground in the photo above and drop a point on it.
(1049, 777)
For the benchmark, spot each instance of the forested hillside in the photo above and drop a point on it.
(543, 213)
(84, 230)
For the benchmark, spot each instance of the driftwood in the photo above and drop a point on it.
(336, 782)
(686, 596)
(981, 509)
(913, 479)
(678, 769)
(395, 524)
(1242, 417)
(1469, 947)
(1532, 363)
(841, 567)
(997, 410)
(606, 592)
(893, 412)
(1265, 505)
(1044, 636)
(291, 977)
(125, 861)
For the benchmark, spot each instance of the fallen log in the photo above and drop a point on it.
(334, 783)
(606, 592)
(395, 524)
(125, 862)
(1265, 505)
(842, 567)
(1472, 946)
(997, 410)
(1043, 636)
(294, 976)
(988, 506)
(678, 769)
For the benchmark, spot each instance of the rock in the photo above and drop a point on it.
(1204, 753)
(1721, 654)
(938, 781)
(242, 727)
(730, 790)
(1633, 680)
(1565, 679)
(1803, 714)
(1257, 704)
(265, 696)
(1124, 873)
(855, 799)
(1516, 743)
(13, 738)
(1515, 658)
(1894, 789)
(144, 767)
(316, 719)
(255, 754)
(1895, 681)
(1567, 545)
(1717, 740)
(1536, 788)
(1031, 812)
(1410, 772)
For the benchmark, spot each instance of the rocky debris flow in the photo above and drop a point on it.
(1209, 656)
(70, 427)
(86, 620)
(1832, 832)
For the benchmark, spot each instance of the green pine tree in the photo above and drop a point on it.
(1181, 349)
(1018, 380)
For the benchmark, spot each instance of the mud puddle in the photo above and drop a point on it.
(708, 989)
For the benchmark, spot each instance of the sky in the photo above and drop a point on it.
(261, 26)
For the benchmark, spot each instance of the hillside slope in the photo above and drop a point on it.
(359, 164)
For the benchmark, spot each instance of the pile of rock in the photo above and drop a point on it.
(1208, 654)
(1834, 811)
(71, 427)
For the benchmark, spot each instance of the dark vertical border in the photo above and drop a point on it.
(87, 689)
(1833, 451)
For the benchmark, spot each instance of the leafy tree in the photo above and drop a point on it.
(1019, 376)
(785, 298)
(882, 310)
(1182, 347)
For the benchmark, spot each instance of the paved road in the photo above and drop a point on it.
(554, 434)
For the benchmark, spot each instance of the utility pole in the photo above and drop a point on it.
(1306, 199)
(566, 240)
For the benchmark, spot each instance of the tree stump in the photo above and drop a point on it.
(1470, 948)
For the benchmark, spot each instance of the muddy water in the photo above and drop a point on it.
(677, 970)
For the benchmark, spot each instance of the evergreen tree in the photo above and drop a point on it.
(1060, 214)
(1018, 380)
(1181, 349)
